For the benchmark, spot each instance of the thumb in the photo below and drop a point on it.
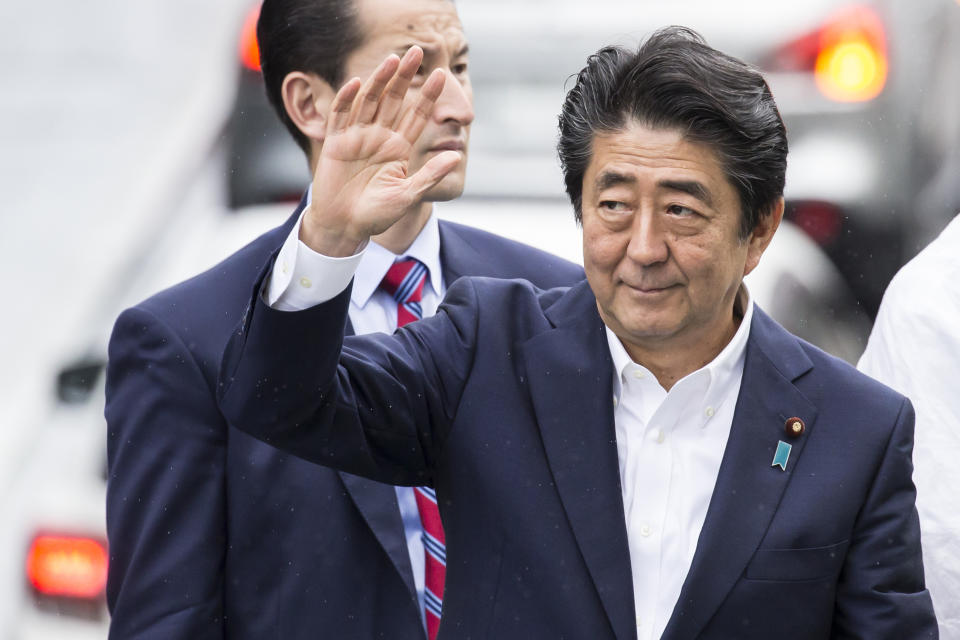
(435, 170)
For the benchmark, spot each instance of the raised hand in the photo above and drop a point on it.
(361, 185)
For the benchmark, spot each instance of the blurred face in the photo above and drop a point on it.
(660, 240)
(393, 26)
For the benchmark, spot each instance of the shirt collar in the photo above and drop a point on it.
(724, 369)
(376, 262)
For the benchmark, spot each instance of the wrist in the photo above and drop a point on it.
(335, 242)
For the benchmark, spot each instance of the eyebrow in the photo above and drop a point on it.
(693, 188)
(690, 187)
(609, 179)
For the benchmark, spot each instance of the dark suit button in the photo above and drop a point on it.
(794, 427)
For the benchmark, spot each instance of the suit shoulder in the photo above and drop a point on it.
(843, 380)
(231, 279)
(825, 379)
(513, 294)
(202, 310)
(508, 258)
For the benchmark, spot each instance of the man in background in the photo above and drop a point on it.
(214, 534)
(915, 348)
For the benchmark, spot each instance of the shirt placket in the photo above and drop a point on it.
(648, 470)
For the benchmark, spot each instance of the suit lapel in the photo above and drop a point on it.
(570, 380)
(378, 504)
(748, 488)
(458, 257)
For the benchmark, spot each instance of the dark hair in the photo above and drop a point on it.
(675, 80)
(305, 35)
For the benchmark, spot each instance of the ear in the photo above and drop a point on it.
(306, 99)
(759, 239)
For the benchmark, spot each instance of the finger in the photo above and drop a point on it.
(365, 106)
(341, 106)
(431, 173)
(416, 117)
(396, 89)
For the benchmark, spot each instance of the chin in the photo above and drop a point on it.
(646, 326)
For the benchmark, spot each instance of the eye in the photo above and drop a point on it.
(460, 68)
(681, 211)
(614, 206)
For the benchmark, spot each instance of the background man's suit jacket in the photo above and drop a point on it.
(213, 532)
(503, 401)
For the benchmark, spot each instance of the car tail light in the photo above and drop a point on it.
(847, 55)
(249, 48)
(821, 221)
(67, 567)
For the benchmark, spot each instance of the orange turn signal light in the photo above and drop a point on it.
(249, 48)
(851, 65)
(70, 567)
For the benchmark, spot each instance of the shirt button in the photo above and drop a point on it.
(638, 374)
(639, 621)
(614, 402)
(645, 530)
(285, 268)
(305, 283)
(710, 412)
(659, 436)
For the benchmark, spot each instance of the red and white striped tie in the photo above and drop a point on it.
(435, 556)
(404, 282)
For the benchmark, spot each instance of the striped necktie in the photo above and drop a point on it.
(404, 282)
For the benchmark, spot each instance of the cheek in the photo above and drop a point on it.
(601, 249)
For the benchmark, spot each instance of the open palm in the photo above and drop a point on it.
(361, 186)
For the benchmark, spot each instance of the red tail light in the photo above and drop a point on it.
(848, 55)
(249, 49)
(820, 220)
(69, 567)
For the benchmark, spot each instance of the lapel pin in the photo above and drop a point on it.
(782, 455)
(794, 427)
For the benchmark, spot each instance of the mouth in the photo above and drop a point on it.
(449, 145)
(649, 290)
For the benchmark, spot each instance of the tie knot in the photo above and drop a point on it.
(404, 280)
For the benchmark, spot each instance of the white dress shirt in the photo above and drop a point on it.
(669, 445)
(915, 348)
(303, 278)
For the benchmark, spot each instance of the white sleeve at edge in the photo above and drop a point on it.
(302, 278)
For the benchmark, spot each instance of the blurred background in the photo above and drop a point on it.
(137, 148)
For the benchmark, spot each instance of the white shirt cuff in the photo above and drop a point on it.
(302, 278)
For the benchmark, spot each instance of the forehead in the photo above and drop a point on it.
(393, 25)
(637, 152)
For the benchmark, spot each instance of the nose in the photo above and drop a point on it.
(455, 103)
(648, 243)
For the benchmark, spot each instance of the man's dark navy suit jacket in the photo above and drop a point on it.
(503, 402)
(215, 534)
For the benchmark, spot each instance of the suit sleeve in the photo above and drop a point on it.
(377, 406)
(165, 488)
(881, 595)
